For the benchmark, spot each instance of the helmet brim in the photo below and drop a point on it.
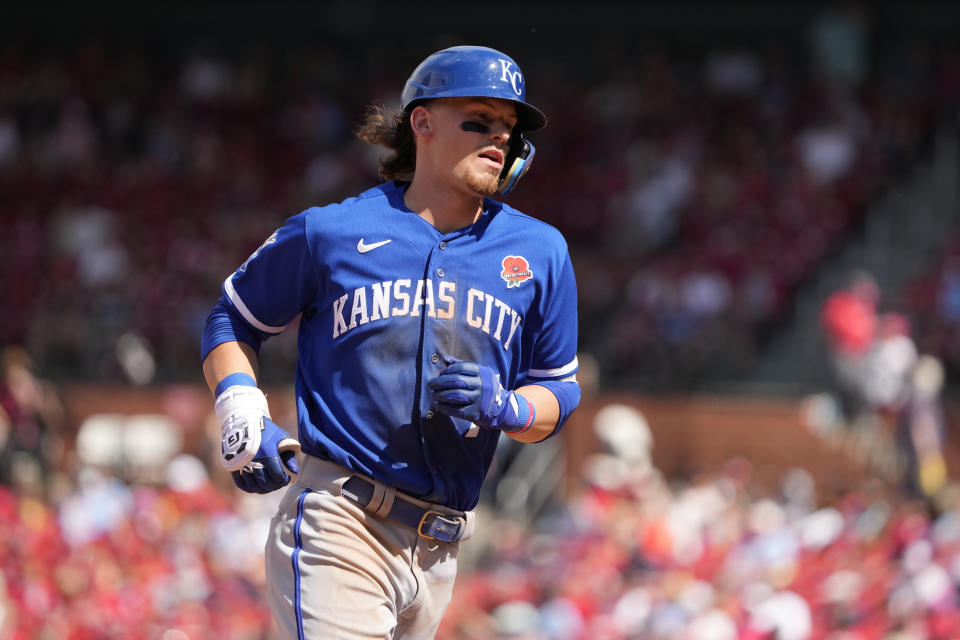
(529, 118)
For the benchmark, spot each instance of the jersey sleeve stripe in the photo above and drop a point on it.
(244, 311)
(555, 373)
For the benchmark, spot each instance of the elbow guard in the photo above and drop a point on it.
(567, 393)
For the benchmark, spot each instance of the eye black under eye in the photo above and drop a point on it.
(475, 127)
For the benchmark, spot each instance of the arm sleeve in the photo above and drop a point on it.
(225, 325)
(567, 393)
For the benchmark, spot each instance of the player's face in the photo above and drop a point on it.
(475, 134)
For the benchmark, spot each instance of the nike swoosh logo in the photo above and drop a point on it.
(363, 247)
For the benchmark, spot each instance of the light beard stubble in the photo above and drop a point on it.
(484, 185)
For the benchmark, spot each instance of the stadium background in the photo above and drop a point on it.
(719, 172)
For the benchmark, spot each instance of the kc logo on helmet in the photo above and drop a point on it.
(515, 78)
(516, 270)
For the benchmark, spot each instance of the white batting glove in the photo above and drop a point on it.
(241, 410)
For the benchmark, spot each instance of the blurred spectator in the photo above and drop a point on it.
(831, 143)
(838, 39)
(705, 292)
(97, 507)
(849, 324)
(9, 140)
(889, 364)
(948, 290)
(733, 72)
(88, 236)
(827, 151)
(31, 424)
(654, 201)
(626, 444)
(783, 615)
(933, 301)
(758, 297)
(74, 141)
(206, 75)
(921, 430)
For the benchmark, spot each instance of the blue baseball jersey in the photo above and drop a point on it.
(385, 302)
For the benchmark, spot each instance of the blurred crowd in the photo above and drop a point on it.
(94, 549)
(713, 560)
(148, 544)
(716, 556)
(697, 186)
(133, 182)
(111, 560)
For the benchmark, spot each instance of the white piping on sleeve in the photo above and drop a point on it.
(555, 373)
(244, 311)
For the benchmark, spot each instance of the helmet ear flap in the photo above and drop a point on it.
(516, 164)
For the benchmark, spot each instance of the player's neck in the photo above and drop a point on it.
(446, 209)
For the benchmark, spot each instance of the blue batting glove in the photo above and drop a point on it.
(277, 455)
(473, 392)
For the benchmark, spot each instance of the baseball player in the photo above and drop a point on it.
(432, 319)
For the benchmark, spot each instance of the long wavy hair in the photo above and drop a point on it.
(391, 129)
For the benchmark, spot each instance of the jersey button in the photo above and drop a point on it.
(443, 245)
(440, 272)
(428, 415)
(434, 358)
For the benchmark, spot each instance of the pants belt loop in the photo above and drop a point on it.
(376, 500)
(469, 522)
(388, 495)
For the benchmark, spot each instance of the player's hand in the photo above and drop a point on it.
(253, 448)
(473, 392)
(276, 456)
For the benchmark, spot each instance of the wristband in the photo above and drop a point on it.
(234, 379)
(524, 413)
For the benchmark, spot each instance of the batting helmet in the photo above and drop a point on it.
(479, 72)
(472, 72)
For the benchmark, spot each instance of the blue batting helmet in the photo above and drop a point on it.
(472, 72)
(480, 72)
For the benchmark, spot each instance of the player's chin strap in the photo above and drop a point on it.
(517, 163)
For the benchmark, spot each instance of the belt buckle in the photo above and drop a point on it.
(452, 525)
